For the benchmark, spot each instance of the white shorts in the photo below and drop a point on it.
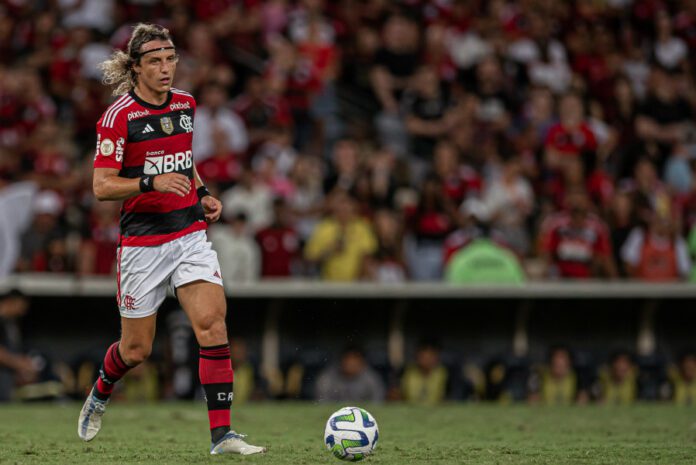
(145, 273)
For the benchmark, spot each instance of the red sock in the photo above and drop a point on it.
(113, 368)
(215, 371)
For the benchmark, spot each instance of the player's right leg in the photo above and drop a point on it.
(134, 348)
(142, 286)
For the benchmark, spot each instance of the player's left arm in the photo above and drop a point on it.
(212, 207)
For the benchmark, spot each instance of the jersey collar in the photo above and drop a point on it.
(150, 105)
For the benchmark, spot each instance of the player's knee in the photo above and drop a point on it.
(135, 354)
(212, 331)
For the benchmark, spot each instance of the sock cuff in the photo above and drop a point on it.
(221, 352)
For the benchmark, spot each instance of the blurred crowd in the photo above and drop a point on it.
(465, 140)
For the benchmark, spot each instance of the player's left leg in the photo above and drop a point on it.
(204, 303)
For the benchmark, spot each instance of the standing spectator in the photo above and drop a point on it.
(15, 217)
(669, 51)
(571, 136)
(214, 114)
(45, 237)
(279, 243)
(307, 200)
(237, 251)
(340, 242)
(425, 381)
(352, 380)
(576, 243)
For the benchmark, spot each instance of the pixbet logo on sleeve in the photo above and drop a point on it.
(169, 163)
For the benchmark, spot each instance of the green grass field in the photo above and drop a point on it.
(452, 434)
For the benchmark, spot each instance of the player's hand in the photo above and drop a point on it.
(173, 183)
(212, 208)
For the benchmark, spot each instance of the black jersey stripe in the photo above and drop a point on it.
(150, 224)
(158, 126)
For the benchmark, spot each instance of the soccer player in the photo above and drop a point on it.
(144, 158)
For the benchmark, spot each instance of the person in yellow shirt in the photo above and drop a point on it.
(341, 241)
(557, 382)
(683, 380)
(425, 382)
(618, 383)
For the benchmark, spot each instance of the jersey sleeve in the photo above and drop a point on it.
(111, 143)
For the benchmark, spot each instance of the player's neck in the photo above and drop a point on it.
(150, 96)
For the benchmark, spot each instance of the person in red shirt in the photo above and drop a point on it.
(144, 158)
(571, 136)
(575, 243)
(279, 243)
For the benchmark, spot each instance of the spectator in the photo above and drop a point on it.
(214, 114)
(656, 253)
(387, 264)
(571, 136)
(509, 201)
(43, 246)
(307, 200)
(669, 51)
(246, 387)
(15, 217)
(237, 251)
(556, 383)
(575, 243)
(279, 243)
(16, 368)
(683, 379)
(430, 223)
(618, 383)
(98, 251)
(340, 242)
(425, 381)
(352, 380)
(251, 197)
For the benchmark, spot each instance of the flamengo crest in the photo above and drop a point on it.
(167, 124)
(186, 123)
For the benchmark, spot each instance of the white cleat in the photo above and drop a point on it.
(233, 443)
(90, 419)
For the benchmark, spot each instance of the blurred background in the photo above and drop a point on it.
(374, 159)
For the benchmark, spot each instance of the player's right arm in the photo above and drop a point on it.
(108, 185)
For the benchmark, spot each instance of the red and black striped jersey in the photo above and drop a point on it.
(139, 138)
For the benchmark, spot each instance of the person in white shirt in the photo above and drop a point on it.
(238, 253)
(213, 113)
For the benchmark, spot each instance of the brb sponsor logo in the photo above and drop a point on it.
(158, 163)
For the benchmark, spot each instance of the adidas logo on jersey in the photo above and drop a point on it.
(147, 129)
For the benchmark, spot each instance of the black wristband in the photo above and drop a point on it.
(202, 192)
(147, 183)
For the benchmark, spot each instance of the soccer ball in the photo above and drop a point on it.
(351, 433)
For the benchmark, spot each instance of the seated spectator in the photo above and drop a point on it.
(16, 368)
(307, 200)
(387, 264)
(575, 243)
(237, 251)
(656, 253)
(483, 261)
(618, 383)
(340, 242)
(98, 251)
(425, 381)
(279, 243)
(352, 380)
(556, 383)
(683, 380)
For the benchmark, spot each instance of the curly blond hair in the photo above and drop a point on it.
(118, 70)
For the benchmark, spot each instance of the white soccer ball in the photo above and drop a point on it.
(351, 433)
